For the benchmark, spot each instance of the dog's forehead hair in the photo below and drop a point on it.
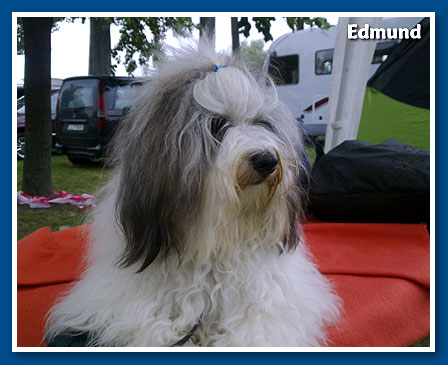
(235, 94)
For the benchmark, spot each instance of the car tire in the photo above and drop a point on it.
(79, 160)
(20, 147)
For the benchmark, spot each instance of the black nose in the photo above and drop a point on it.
(264, 163)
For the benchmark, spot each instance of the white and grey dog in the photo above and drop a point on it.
(197, 239)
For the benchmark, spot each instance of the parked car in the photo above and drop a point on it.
(21, 122)
(89, 111)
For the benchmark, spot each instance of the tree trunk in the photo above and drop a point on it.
(235, 36)
(100, 48)
(208, 29)
(37, 162)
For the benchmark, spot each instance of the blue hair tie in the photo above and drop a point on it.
(218, 67)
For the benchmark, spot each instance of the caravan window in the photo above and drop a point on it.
(324, 58)
(284, 69)
(383, 50)
(324, 62)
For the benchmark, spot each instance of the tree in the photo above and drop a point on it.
(37, 162)
(263, 25)
(207, 29)
(235, 36)
(298, 23)
(133, 40)
(253, 54)
(141, 37)
(99, 47)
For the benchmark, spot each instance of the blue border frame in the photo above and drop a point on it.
(224, 358)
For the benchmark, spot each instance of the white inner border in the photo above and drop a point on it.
(431, 15)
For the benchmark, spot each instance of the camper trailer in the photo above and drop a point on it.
(301, 63)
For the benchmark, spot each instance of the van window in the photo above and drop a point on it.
(125, 96)
(284, 70)
(324, 58)
(383, 50)
(122, 96)
(78, 94)
(324, 62)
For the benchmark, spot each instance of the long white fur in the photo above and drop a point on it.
(234, 275)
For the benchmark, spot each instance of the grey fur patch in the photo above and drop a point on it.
(162, 175)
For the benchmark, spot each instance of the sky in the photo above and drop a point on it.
(70, 45)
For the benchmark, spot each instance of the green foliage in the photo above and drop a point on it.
(424, 342)
(133, 36)
(297, 23)
(253, 53)
(263, 25)
(20, 38)
(133, 39)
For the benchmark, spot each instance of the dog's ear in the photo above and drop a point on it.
(293, 233)
(146, 223)
(157, 200)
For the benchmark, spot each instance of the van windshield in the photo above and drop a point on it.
(77, 94)
(284, 69)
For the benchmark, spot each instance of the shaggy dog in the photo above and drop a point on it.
(197, 239)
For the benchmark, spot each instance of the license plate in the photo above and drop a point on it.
(75, 127)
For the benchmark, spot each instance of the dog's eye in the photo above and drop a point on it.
(264, 123)
(218, 127)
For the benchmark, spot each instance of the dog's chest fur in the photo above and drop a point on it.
(255, 299)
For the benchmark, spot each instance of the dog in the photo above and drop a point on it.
(197, 238)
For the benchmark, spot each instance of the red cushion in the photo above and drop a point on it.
(381, 271)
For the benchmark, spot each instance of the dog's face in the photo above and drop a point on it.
(206, 160)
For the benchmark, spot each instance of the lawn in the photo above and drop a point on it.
(67, 177)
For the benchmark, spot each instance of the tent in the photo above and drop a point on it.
(397, 97)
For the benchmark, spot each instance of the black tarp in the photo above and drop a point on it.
(360, 182)
(404, 76)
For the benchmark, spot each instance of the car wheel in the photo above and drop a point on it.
(79, 160)
(20, 147)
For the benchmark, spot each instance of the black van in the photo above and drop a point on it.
(88, 112)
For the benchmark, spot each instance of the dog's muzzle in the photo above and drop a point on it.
(259, 167)
(264, 163)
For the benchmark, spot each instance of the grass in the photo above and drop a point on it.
(67, 177)
(424, 342)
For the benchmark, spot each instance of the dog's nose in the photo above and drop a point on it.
(264, 163)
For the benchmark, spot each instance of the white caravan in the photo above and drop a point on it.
(301, 62)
